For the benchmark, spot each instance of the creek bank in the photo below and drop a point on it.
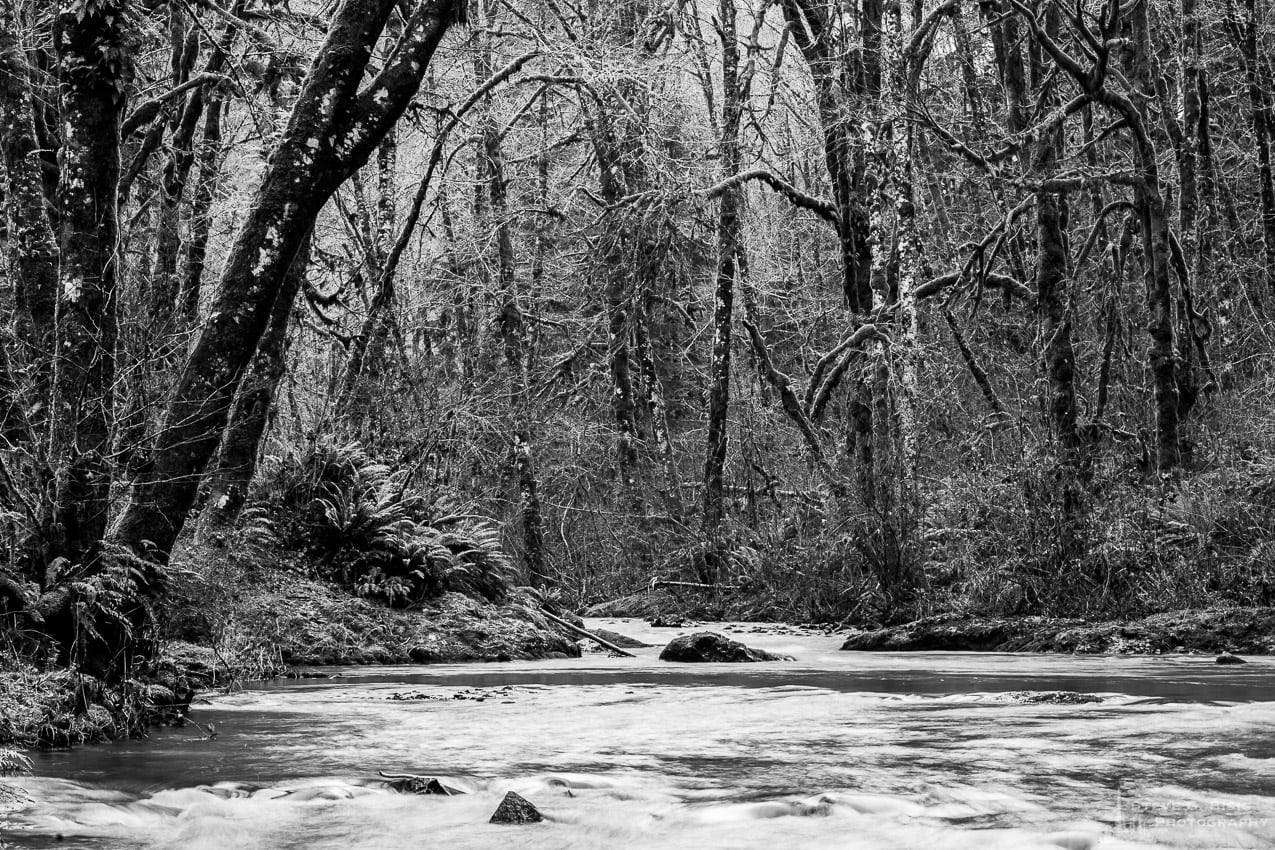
(274, 622)
(284, 621)
(1242, 631)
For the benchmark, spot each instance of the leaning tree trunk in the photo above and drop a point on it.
(333, 130)
(241, 443)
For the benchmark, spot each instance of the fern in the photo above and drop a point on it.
(368, 528)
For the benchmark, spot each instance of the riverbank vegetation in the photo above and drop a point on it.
(378, 312)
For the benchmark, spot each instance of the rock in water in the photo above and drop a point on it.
(622, 641)
(711, 647)
(1228, 658)
(421, 785)
(667, 621)
(1049, 698)
(516, 809)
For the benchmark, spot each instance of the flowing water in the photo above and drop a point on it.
(834, 749)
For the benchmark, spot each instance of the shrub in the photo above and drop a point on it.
(367, 528)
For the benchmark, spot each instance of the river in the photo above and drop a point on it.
(832, 750)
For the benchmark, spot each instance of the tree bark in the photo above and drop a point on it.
(241, 444)
(1051, 298)
(513, 331)
(33, 244)
(1262, 120)
(728, 246)
(210, 156)
(838, 85)
(93, 72)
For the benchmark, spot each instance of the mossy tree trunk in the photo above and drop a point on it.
(93, 67)
(334, 128)
(236, 461)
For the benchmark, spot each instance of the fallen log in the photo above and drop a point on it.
(657, 583)
(602, 642)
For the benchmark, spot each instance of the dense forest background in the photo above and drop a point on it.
(855, 311)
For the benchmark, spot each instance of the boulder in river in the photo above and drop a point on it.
(712, 647)
(516, 809)
(1228, 658)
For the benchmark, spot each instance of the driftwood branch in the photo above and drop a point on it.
(602, 642)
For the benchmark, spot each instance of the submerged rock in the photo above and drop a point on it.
(711, 647)
(667, 621)
(1228, 658)
(622, 641)
(1049, 698)
(516, 809)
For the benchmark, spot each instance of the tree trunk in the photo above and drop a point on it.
(1149, 200)
(93, 71)
(1262, 118)
(211, 154)
(1051, 300)
(164, 282)
(241, 443)
(33, 245)
(513, 332)
(367, 349)
(836, 84)
(333, 131)
(728, 246)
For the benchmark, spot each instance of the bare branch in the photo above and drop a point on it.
(821, 207)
